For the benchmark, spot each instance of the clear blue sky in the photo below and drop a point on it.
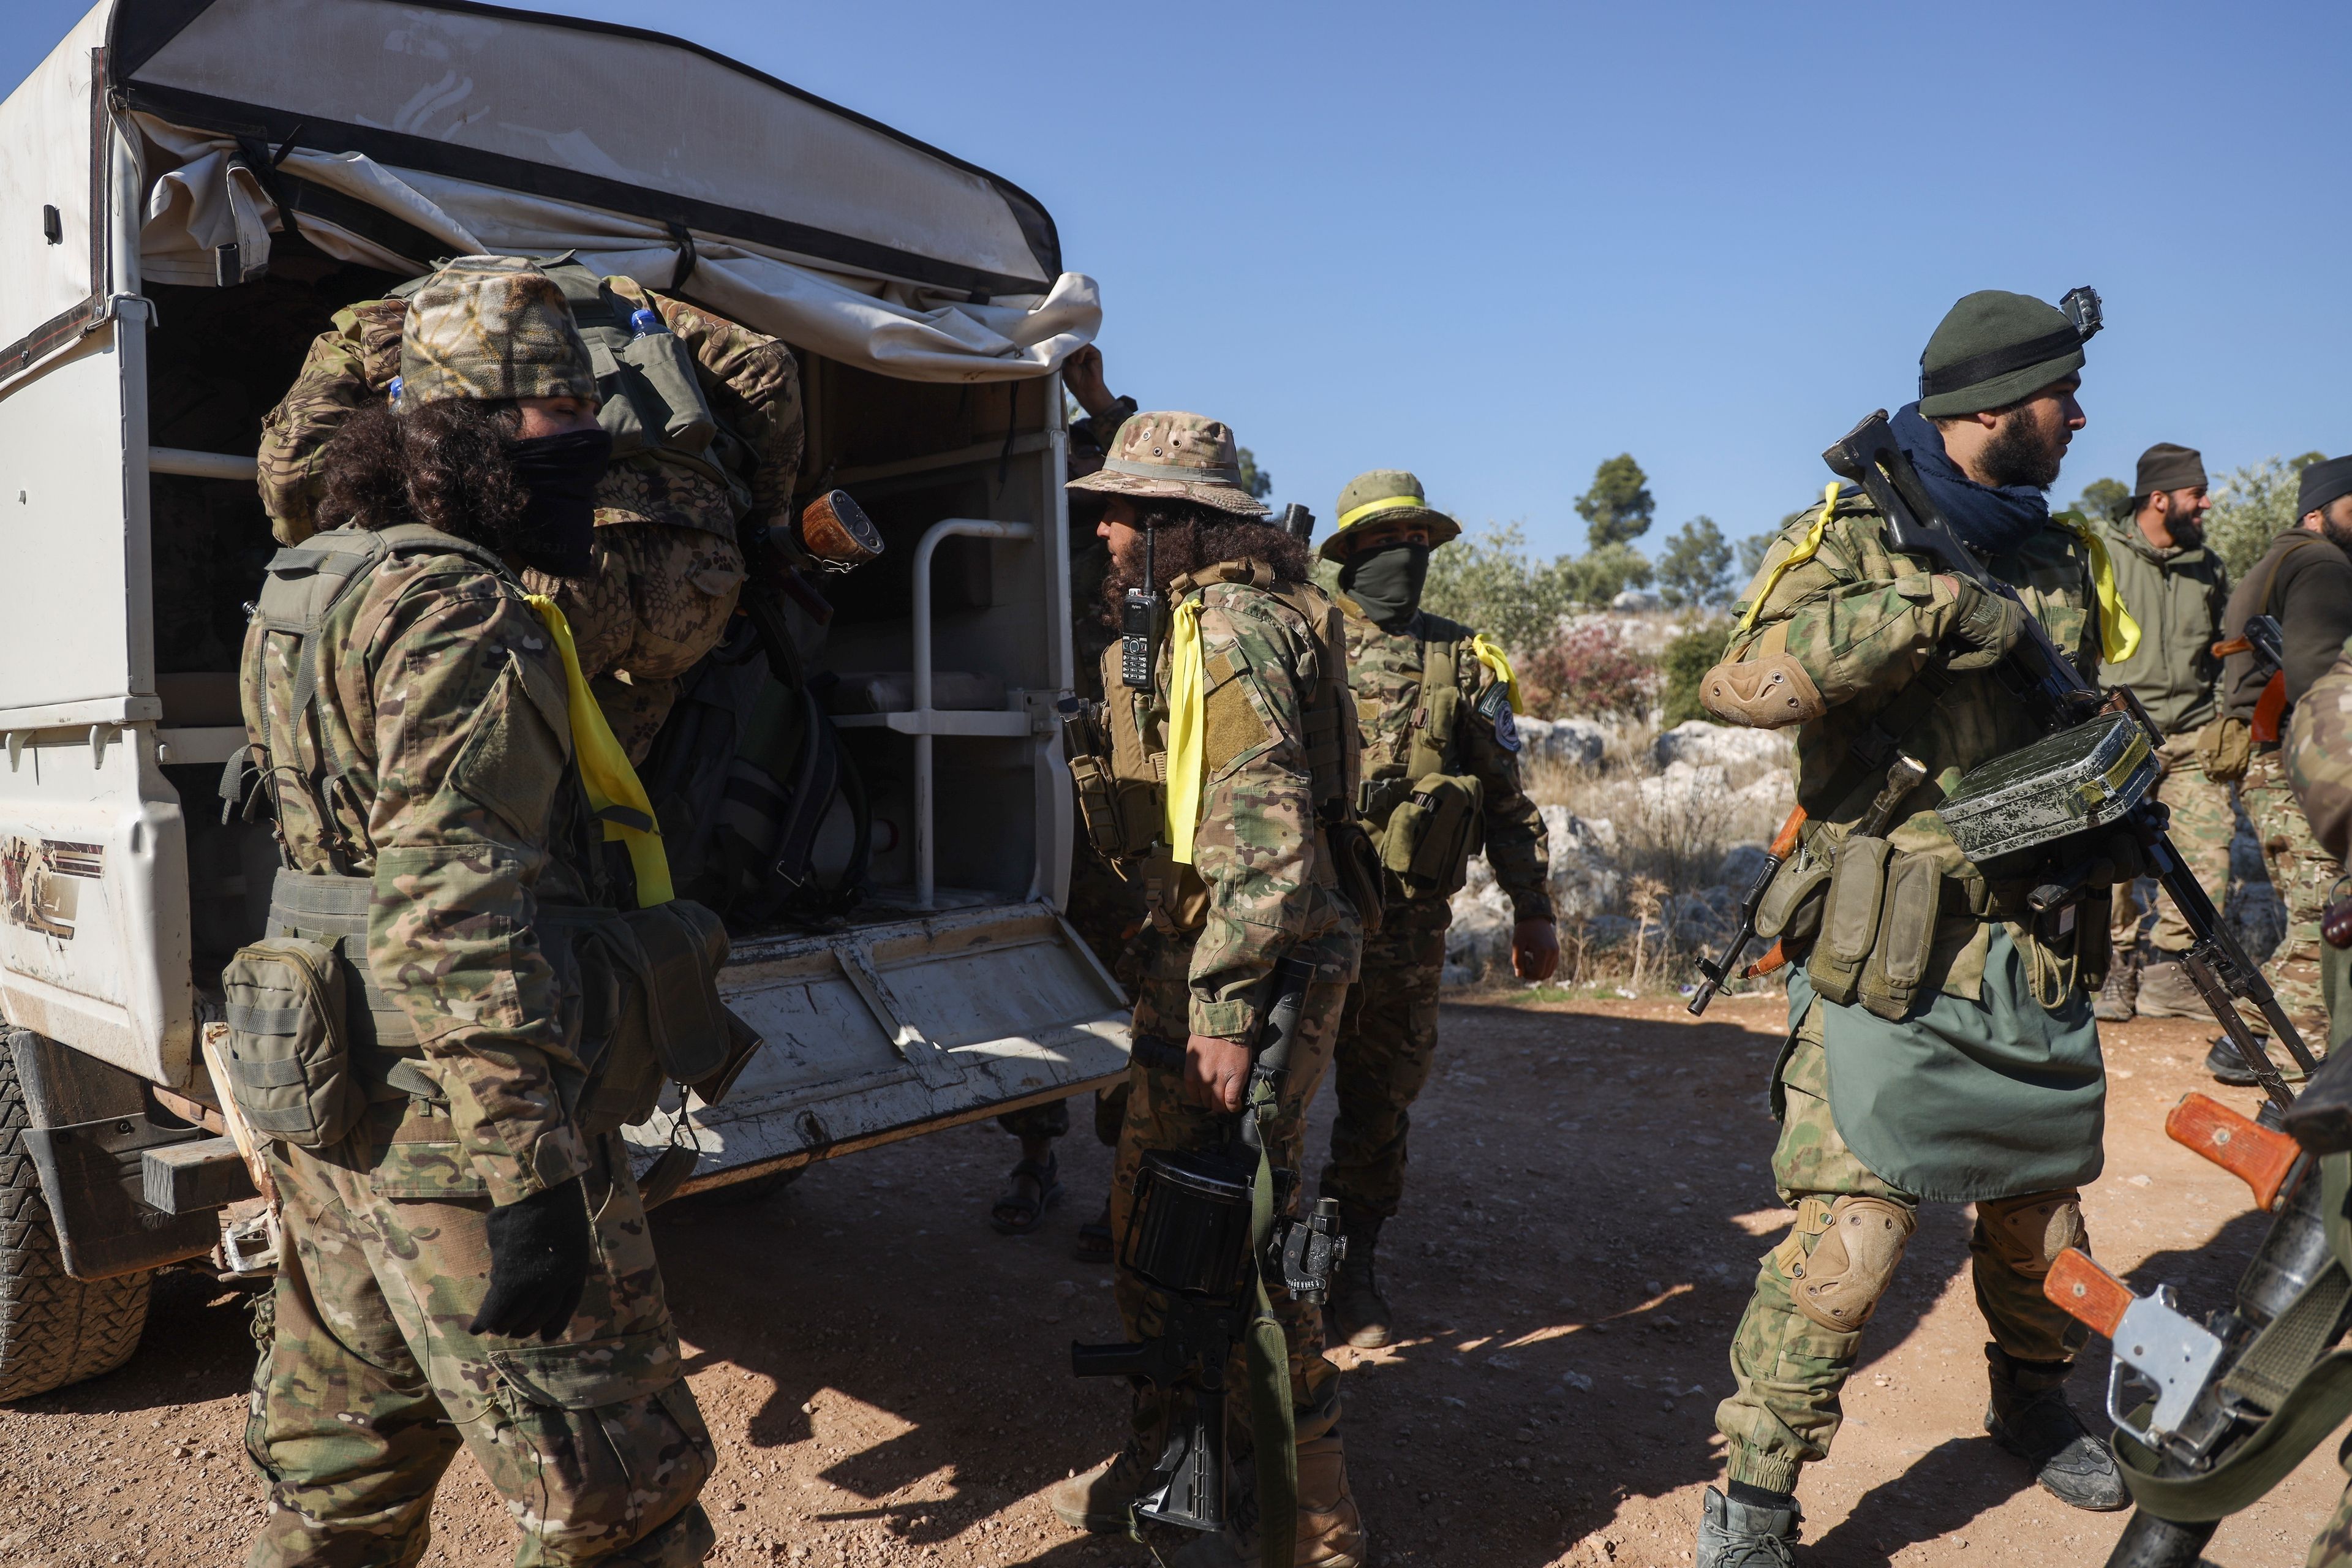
(1497, 243)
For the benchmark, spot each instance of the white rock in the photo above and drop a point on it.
(1683, 790)
(1565, 742)
(1633, 600)
(1703, 745)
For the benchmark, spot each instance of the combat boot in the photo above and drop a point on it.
(1330, 1530)
(2165, 992)
(1097, 1500)
(1359, 1313)
(2030, 1417)
(1740, 1535)
(2118, 1001)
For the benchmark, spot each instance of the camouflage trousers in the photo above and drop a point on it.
(2204, 820)
(659, 600)
(1791, 1365)
(1388, 1043)
(369, 1382)
(1158, 1118)
(2303, 873)
(2332, 1548)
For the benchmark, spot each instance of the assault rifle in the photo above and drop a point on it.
(2220, 1386)
(2046, 683)
(1192, 1237)
(1715, 973)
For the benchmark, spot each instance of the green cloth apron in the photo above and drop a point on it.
(1966, 1100)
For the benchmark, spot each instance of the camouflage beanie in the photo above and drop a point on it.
(1993, 348)
(487, 327)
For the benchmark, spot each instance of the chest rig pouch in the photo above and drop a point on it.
(1428, 819)
(313, 1039)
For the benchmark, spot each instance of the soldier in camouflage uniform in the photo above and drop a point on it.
(466, 1267)
(669, 567)
(1949, 1053)
(2303, 580)
(2174, 589)
(1257, 884)
(1463, 730)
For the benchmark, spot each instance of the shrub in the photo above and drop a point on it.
(1588, 671)
(1685, 663)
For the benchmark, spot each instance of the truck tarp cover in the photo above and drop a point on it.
(400, 132)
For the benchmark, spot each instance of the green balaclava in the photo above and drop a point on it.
(1387, 581)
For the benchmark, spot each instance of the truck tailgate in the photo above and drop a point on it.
(883, 1031)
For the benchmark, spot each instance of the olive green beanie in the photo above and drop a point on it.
(1993, 348)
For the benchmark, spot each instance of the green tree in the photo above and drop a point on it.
(1600, 575)
(1752, 551)
(1254, 479)
(2104, 500)
(1697, 560)
(1491, 583)
(1619, 507)
(2252, 505)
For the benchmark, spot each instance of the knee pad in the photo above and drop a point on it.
(2026, 1234)
(1839, 1283)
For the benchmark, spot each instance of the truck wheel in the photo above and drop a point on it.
(55, 1329)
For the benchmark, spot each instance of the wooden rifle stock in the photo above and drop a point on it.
(2264, 1159)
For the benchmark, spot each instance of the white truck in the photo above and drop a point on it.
(189, 189)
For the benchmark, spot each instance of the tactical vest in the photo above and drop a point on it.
(1122, 787)
(1427, 817)
(313, 1039)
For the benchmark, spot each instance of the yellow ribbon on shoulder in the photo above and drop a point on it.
(1491, 654)
(614, 793)
(1805, 550)
(1187, 725)
(2118, 633)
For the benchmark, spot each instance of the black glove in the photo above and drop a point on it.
(1987, 628)
(539, 1255)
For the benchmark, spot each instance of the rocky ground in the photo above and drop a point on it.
(887, 1379)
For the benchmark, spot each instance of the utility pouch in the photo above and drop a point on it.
(1849, 919)
(1355, 865)
(1907, 935)
(1433, 833)
(669, 397)
(681, 947)
(1791, 909)
(2225, 748)
(289, 1063)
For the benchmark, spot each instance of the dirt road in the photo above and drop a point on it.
(887, 1379)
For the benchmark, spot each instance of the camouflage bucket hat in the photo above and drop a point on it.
(488, 327)
(1175, 457)
(1384, 495)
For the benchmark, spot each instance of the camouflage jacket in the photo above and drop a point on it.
(2318, 744)
(1385, 671)
(442, 699)
(1271, 887)
(1864, 621)
(751, 379)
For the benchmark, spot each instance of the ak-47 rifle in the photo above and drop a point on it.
(1205, 1232)
(1715, 973)
(2045, 681)
(2220, 1387)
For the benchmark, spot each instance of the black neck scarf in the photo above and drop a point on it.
(1992, 521)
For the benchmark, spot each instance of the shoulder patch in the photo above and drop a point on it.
(1496, 708)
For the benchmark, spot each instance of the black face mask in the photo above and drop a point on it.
(1387, 581)
(557, 529)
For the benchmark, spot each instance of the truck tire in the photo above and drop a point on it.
(55, 1329)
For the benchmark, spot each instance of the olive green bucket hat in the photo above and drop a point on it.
(490, 327)
(1174, 456)
(1384, 495)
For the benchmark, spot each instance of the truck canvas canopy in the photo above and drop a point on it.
(393, 133)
